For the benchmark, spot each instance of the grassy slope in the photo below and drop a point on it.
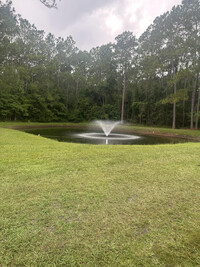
(35, 124)
(183, 132)
(84, 205)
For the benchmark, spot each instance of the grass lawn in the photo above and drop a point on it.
(167, 131)
(84, 205)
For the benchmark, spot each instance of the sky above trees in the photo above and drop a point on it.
(93, 23)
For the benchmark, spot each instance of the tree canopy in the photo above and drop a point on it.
(150, 80)
(49, 3)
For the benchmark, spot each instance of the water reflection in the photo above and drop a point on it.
(74, 136)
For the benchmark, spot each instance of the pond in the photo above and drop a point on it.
(86, 136)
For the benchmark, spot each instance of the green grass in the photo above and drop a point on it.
(84, 205)
(167, 131)
(35, 124)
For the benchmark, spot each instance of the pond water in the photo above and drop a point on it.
(74, 135)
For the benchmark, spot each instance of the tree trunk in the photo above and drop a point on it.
(174, 110)
(183, 122)
(77, 84)
(58, 80)
(198, 104)
(67, 99)
(192, 103)
(123, 97)
(140, 119)
(174, 104)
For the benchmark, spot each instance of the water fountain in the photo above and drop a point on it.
(107, 127)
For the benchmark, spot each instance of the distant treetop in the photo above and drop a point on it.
(49, 3)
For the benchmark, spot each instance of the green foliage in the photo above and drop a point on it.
(44, 78)
(181, 95)
(49, 3)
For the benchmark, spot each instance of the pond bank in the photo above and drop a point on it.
(186, 134)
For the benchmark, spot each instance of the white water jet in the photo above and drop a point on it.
(102, 136)
(107, 126)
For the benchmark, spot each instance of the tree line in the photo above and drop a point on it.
(151, 80)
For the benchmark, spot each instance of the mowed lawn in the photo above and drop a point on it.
(84, 205)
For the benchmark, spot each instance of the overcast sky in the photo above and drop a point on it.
(92, 23)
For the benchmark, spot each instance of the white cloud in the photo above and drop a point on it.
(93, 22)
(114, 23)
